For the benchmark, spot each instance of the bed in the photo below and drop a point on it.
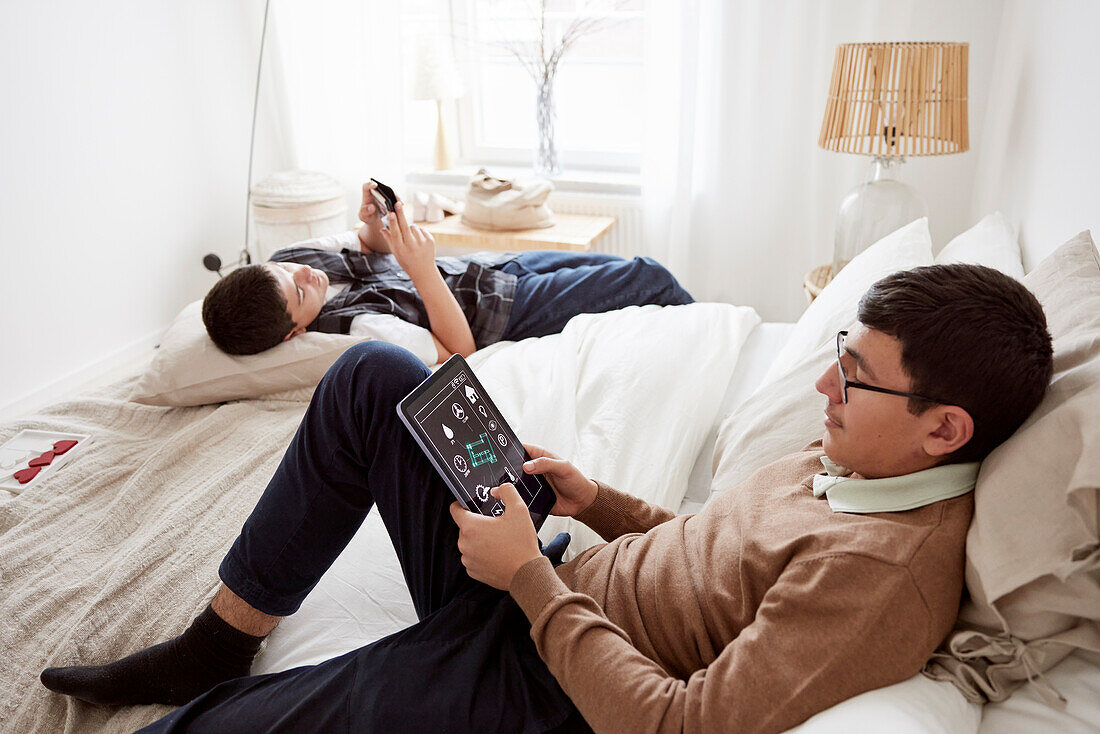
(120, 549)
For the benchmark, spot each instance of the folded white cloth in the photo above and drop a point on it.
(420, 206)
(433, 207)
(499, 204)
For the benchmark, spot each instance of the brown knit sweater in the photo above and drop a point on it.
(751, 616)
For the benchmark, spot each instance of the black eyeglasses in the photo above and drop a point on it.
(846, 383)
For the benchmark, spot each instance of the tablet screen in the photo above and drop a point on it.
(474, 448)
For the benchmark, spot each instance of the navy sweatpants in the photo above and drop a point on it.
(468, 665)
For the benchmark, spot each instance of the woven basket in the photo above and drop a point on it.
(816, 280)
(291, 206)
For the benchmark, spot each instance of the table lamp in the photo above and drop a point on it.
(437, 78)
(889, 101)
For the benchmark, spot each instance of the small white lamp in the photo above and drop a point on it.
(437, 78)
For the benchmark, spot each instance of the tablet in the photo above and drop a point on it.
(469, 443)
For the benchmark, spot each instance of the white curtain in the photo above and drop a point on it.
(739, 200)
(332, 92)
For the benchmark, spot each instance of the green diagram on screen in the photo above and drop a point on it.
(481, 451)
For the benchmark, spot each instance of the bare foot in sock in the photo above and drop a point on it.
(174, 672)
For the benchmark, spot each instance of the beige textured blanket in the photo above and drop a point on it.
(119, 549)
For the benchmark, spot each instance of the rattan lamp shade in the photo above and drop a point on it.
(897, 99)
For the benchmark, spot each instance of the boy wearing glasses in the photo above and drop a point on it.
(385, 282)
(831, 572)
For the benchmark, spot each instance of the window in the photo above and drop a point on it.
(598, 86)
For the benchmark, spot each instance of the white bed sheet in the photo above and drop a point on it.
(916, 706)
(1077, 678)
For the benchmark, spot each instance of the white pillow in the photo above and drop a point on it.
(991, 242)
(784, 417)
(188, 369)
(835, 308)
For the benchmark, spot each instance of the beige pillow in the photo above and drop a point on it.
(1033, 550)
(189, 370)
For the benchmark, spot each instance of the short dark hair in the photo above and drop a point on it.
(245, 313)
(970, 336)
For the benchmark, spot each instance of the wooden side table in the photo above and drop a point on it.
(570, 232)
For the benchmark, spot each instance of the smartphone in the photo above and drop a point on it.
(385, 199)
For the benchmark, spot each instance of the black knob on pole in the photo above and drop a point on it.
(212, 263)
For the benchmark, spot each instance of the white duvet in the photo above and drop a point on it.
(628, 396)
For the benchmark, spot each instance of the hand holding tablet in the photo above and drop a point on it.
(459, 428)
(494, 548)
(574, 491)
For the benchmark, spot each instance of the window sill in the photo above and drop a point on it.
(570, 181)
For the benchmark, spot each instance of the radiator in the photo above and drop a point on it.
(623, 239)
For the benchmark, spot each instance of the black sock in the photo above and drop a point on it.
(555, 549)
(208, 652)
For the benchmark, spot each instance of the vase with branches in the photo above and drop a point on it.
(540, 55)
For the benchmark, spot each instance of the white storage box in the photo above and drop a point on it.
(291, 206)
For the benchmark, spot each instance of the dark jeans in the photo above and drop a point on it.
(553, 287)
(468, 665)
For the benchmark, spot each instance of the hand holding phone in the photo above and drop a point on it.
(413, 247)
(385, 200)
(373, 212)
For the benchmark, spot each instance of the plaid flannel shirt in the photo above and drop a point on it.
(378, 284)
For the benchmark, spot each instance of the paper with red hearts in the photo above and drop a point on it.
(32, 456)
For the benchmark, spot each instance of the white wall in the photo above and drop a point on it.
(123, 159)
(1039, 162)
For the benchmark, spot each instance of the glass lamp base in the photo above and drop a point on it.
(873, 210)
